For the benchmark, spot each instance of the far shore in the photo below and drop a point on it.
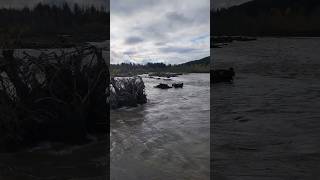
(54, 41)
(220, 41)
(157, 74)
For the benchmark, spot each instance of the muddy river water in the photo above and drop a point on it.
(266, 124)
(167, 138)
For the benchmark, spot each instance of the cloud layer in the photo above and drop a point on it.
(169, 31)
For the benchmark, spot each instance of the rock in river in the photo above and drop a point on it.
(177, 85)
(163, 86)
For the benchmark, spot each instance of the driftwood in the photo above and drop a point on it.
(53, 96)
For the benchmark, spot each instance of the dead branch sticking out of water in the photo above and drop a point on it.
(52, 97)
(127, 92)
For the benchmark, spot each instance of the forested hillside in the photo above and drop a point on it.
(47, 22)
(268, 18)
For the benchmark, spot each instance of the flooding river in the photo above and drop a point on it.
(266, 124)
(167, 138)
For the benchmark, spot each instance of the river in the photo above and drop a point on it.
(167, 138)
(266, 124)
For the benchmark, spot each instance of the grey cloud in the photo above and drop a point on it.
(133, 40)
(177, 17)
(161, 28)
(160, 43)
(171, 22)
(178, 50)
(156, 31)
(129, 52)
(122, 7)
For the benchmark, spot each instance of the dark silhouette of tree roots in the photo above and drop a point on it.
(57, 96)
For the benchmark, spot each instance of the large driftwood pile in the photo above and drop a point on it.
(58, 96)
(127, 91)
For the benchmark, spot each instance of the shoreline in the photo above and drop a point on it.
(226, 40)
(52, 42)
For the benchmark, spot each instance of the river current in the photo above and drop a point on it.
(265, 125)
(167, 138)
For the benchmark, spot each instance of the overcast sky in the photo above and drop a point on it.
(169, 31)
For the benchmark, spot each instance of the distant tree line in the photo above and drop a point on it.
(131, 69)
(52, 20)
(268, 17)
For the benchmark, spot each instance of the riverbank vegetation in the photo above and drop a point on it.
(129, 91)
(60, 96)
(52, 97)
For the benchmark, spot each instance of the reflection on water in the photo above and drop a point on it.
(266, 124)
(167, 138)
